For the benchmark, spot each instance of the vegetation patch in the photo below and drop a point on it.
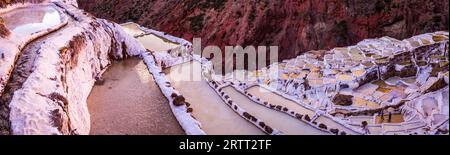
(252, 15)
(196, 22)
(340, 31)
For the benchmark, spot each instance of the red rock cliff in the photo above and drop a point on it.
(294, 25)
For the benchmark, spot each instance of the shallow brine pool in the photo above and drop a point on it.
(150, 41)
(29, 20)
(130, 103)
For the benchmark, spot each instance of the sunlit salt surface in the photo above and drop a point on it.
(273, 98)
(429, 105)
(130, 103)
(155, 43)
(132, 29)
(276, 99)
(215, 116)
(26, 21)
(150, 41)
(278, 120)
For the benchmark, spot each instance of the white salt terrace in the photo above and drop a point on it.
(278, 120)
(276, 99)
(333, 124)
(130, 103)
(150, 41)
(21, 22)
(215, 115)
(349, 64)
(132, 29)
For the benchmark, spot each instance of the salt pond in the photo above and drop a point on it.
(130, 103)
(278, 120)
(132, 29)
(150, 41)
(21, 22)
(276, 99)
(215, 116)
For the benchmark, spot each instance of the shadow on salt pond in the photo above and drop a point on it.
(130, 103)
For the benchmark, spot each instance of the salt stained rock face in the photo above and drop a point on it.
(52, 100)
(4, 32)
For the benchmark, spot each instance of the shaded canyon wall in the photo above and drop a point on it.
(296, 26)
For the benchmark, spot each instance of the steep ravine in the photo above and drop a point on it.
(296, 26)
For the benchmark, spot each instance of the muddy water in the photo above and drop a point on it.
(25, 21)
(130, 103)
(216, 117)
(278, 120)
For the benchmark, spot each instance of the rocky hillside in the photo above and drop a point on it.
(294, 25)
